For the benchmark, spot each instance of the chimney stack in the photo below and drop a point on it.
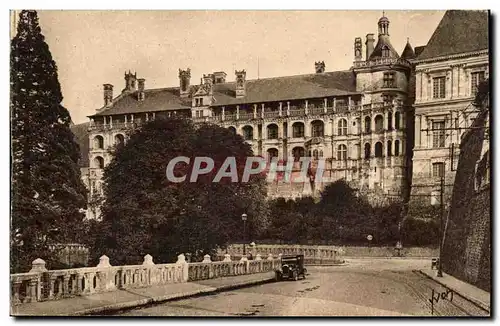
(370, 45)
(108, 94)
(130, 80)
(240, 83)
(358, 48)
(320, 67)
(140, 94)
(184, 82)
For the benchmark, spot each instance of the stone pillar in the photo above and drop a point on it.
(132, 117)
(181, 261)
(148, 260)
(255, 111)
(325, 108)
(104, 261)
(418, 131)
(147, 116)
(38, 266)
(270, 256)
(227, 258)
(262, 112)
(281, 109)
(288, 108)
(104, 118)
(334, 105)
(154, 115)
(206, 259)
(223, 113)
(237, 112)
(307, 109)
(125, 119)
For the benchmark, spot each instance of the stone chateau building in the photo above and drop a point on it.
(360, 120)
(448, 72)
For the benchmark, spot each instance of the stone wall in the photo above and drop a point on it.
(330, 254)
(466, 249)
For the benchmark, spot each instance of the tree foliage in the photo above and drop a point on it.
(145, 213)
(342, 217)
(47, 191)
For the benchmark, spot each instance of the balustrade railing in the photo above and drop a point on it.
(41, 284)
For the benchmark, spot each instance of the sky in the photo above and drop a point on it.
(92, 48)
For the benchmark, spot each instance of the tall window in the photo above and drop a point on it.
(248, 133)
(396, 147)
(298, 130)
(476, 79)
(272, 131)
(438, 134)
(317, 128)
(342, 152)
(378, 149)
(389, 79)
(438, 170)
(379, 123)
(368, 123)
(438, 87)
(342, 126)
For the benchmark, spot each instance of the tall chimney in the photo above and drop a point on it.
(108, 94)
(240, 83)
(184, 81)
(358, 47)
(141, 85)
(370, 45)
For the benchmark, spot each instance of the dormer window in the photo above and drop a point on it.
(385, 52)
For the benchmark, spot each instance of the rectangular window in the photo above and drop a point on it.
(439, 87)
(476, 79)
(389, 79)
(438, 170)
(438, 134)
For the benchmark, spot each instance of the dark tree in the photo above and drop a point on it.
(145, 213)
(47, 191)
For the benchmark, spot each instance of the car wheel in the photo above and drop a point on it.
(278, 277)
(295, 276)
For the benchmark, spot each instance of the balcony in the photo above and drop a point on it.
(382, 61)
(113, 126)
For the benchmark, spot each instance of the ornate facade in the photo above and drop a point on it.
(357, 119)
(448, 72)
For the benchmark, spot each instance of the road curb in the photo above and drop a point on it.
(166, 298)
(476, 302)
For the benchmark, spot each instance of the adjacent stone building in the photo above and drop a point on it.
(447, 73)
(356, 119)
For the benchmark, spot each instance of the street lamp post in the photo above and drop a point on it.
(244, 219)
(441, 231)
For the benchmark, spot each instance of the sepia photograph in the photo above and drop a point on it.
(250, 163)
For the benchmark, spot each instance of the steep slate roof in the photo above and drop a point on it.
(82, 138)
(418, 50)
(408, 51)
(161, 99)
(335, 83)
(383, 40)
(460, 31)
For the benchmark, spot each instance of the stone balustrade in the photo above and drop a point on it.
(40, 284)
(312, 254)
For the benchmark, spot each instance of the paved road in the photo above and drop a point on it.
(364, 287)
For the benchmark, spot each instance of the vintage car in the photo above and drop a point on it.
(292, 267)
